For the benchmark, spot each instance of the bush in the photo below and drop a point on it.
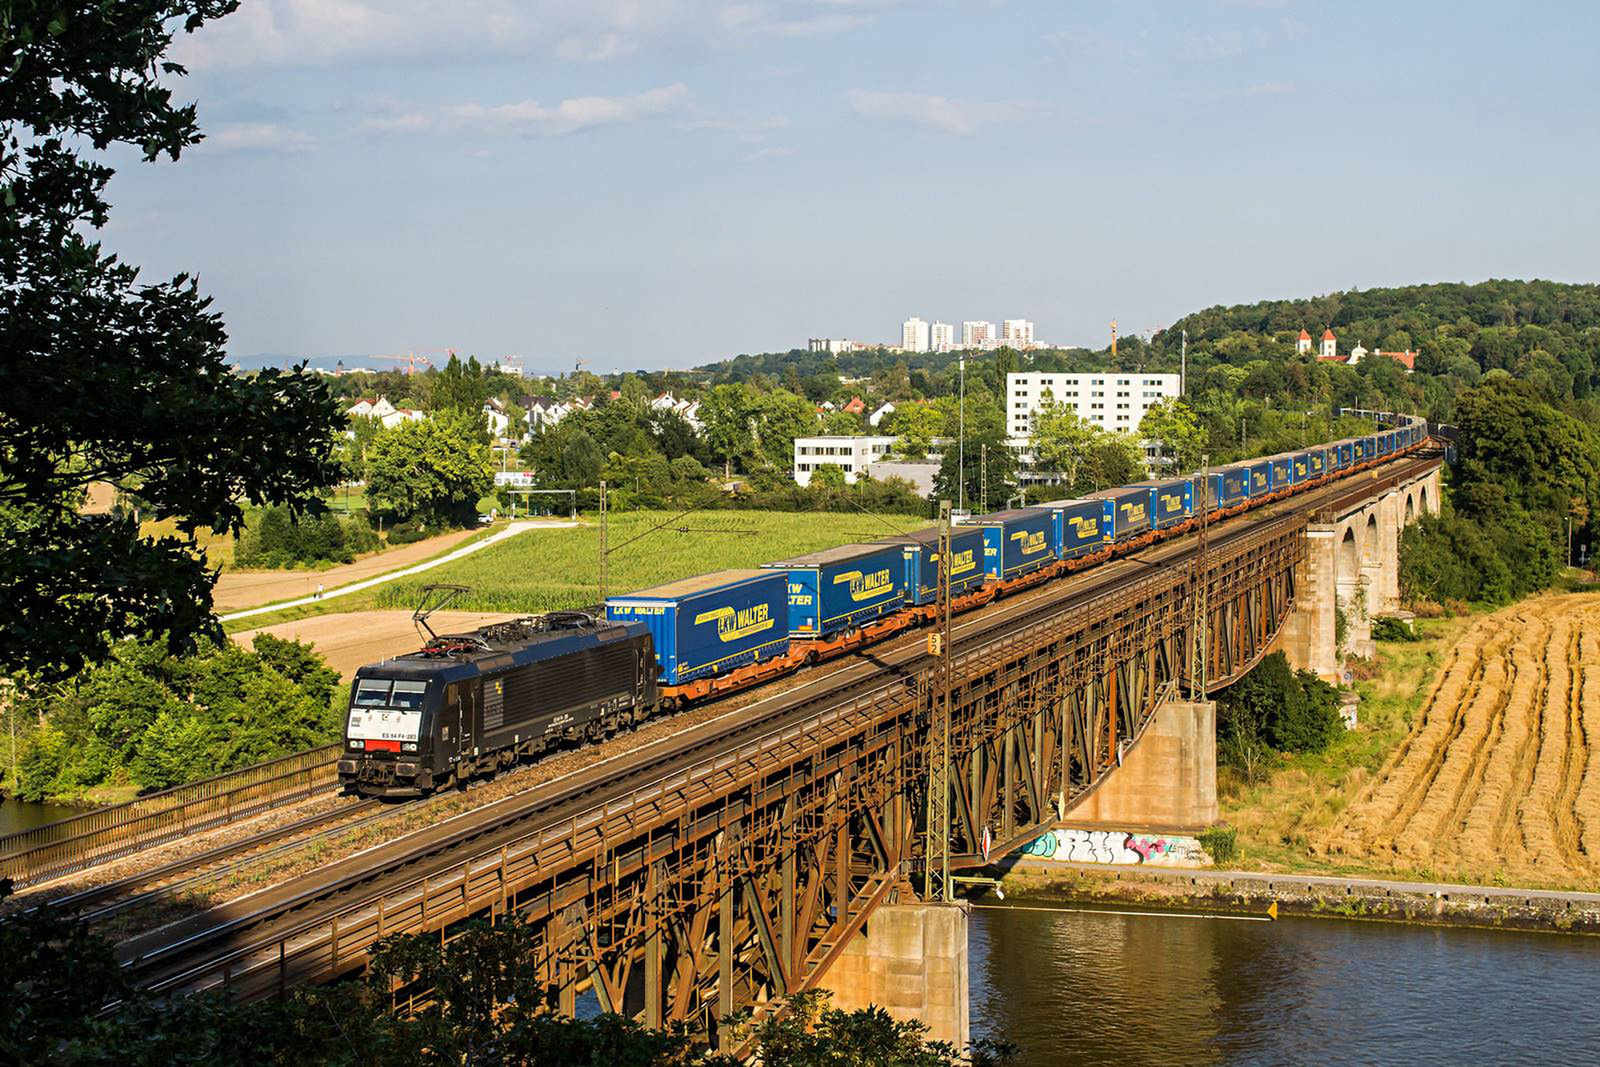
(276, 538)
(1389, 628)
(1247, 755)
(1221, 843)
(1290, 711)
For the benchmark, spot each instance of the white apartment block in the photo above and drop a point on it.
(914, 335)
(834, 344)
(974, 334)
(1110, 400)
(854, 454)
(941, 337)
(1017, 332)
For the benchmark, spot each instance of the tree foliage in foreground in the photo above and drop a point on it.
(106, 378)
(486, 1009)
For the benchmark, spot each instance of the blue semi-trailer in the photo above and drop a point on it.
(1223, 487)
(1171, 500)
(1282, 471)
(1127, 511)
(1017, 541)
(920, 557)
(712, 623)
(1080, 526)
(842, 587)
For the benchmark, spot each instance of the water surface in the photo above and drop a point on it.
(1085, 988)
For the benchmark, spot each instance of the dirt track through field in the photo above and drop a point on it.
(249, 589)
(1498, 778)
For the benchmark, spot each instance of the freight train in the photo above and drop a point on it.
(471, 704)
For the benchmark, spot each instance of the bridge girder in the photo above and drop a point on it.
(741, 879)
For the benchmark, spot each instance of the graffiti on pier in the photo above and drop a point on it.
(1118, 846)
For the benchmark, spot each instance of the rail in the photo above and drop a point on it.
(107, 833)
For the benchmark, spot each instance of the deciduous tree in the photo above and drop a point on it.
(433, 469)
(106, 377)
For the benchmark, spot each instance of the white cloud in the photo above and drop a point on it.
(773, 152)
(941, 112)
(254, 137)
(299, 33)
(529, 118)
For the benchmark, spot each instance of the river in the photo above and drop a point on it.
(16, 816)
(1094, 987)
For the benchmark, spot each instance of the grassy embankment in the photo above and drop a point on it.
(1475, 761)
(554, 569)
(1280, 819)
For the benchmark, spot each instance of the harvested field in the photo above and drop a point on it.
(355, 638)
(1497, 780)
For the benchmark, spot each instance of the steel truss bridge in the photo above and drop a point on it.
(729, 865)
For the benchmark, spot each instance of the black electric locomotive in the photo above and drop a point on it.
(475, 703)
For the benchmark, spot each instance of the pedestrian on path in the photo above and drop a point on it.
(319, 590)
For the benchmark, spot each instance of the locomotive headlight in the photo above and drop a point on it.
(409, 746)
(358, 744)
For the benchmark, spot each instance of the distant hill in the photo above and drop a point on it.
(1509, 325)
(1517, 326)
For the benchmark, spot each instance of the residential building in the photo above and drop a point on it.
(941, 337)
(494, 413)
(399, 415)
(976, 334)
(914, 335)
(386, 413)
(1110, 400)
(369, 407)
(1017, 332)
(884, 411)
(688, 410)
(854, 454)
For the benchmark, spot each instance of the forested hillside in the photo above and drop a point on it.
(1547, 333)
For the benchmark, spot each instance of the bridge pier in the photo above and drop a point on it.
(910, 960)
(1168, 780)
(1352, 565)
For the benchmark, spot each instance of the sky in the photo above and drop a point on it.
(664, 183)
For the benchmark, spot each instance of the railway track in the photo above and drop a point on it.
(99, 903)
(184, 955)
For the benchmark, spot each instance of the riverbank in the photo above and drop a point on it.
(1473, 761)
(1320, 896)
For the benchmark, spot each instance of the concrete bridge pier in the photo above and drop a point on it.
(1352, 564)
(911, 960)
(1167, 780)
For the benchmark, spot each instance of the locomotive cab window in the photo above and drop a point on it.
(408, 695)
(373, 693)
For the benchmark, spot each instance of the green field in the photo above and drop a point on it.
(549, 570)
